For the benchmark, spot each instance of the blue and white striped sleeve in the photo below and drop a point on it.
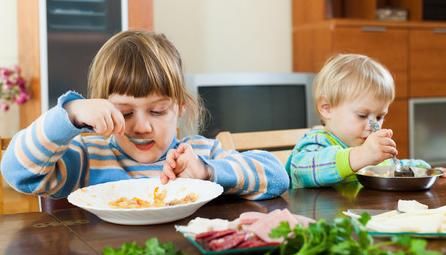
(253, 175)
(43, 159)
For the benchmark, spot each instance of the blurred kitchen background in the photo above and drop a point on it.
(212, 36)
(54, 41)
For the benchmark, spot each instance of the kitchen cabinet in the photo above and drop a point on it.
(414, 51)
(427, 49)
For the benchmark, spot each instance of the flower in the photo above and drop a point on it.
(12, 88)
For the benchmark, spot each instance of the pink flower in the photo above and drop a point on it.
(22, 98)
(5, 73)
(4, 107)
(13, 87)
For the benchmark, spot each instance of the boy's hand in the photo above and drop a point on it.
(378, 147)
(183, 162)
(101, 115)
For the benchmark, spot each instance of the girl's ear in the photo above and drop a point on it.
(324, 108)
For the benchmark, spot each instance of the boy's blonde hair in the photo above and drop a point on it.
(349, 76)
(139, 63)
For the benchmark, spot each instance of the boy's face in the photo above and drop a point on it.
(153, 118)
(349, 120)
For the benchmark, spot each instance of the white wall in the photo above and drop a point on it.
(228, 35)
(9, 121)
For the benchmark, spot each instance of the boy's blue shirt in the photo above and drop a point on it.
(321, 159)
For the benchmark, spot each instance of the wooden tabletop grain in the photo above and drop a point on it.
(75, 231)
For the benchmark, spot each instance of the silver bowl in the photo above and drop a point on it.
(382, 178)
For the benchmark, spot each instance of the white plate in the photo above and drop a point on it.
(96, 198)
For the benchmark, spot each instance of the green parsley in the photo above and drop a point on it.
(344, 236)
(152, 247)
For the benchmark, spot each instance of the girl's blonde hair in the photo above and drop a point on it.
(139, 63)
(349, 76)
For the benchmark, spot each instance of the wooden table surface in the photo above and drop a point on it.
(75, 231)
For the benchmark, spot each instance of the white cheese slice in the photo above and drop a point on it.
(408, 222)
(410, 206)
(201, 225)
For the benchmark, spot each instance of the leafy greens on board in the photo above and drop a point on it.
(345, 236)
(152, 247)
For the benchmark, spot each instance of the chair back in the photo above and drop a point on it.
(4, 142)
(12, 201)
(278, 142)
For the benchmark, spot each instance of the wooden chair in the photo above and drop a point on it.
(12, 201)
(4, 142)
(278, 142)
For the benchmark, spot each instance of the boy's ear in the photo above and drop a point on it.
(324, 108)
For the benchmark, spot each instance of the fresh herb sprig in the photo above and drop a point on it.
(151, 247)
(344, 236)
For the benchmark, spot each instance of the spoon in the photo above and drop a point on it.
(399, 170)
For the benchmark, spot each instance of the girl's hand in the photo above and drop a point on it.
(378, 147)
(183, 162)
(99, 114)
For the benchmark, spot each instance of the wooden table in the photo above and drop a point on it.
(75, 231)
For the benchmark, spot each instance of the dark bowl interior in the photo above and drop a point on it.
(381, 178)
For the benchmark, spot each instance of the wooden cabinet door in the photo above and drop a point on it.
(388, 45)
(427, 65)
(397, 119)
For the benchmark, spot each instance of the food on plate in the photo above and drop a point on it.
(201, 225)
(410, 206)
(263, 225)
(159, 200)
(251, 229)
(231, 238)
(151, 246)
(96, 199)
(389, 172)
(411, 217)
(369, 172)
(135, 202)
(343, 236)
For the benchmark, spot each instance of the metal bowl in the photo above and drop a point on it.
(382, 178)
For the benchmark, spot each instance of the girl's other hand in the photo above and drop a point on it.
(378, 147)
(99, 114)
(183, 162)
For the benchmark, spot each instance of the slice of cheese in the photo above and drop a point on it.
(417, 222)
(410, 206)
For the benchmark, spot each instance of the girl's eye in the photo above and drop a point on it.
(362, 116)
(379, 118)
(127, 114)
(158, 113)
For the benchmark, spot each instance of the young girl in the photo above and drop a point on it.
(350, 91)
(137, 95)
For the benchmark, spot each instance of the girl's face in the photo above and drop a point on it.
(349, 121)
(152, 123)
